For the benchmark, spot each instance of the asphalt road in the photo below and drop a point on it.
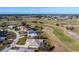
(14, 42)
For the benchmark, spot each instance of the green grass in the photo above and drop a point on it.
(74, 45)
(11, 35)
(21, 41)
(59, 33)
(2, 47)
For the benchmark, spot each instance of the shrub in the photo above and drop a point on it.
(34, 21)
(57, 24)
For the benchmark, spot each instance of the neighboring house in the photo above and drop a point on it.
(22, 28)
(3, 35)
(10, 26)
(32, 40)
(34, 43)
(1, 29)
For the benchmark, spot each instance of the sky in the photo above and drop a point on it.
(39, 10)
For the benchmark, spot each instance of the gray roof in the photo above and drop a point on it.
(34, 42)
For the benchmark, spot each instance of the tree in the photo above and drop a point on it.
(57, 24)
(51, 48)
(23, 23)
(34, 22)
(38, 16)
(40, 22)
(70, 28)
(4, 24)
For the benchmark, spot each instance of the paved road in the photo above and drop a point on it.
(14, 42)
(25, 50)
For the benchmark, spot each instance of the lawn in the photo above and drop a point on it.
(21, 41)
(71, 43)
(2, 47)
(11, 35)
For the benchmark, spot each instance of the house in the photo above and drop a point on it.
(34, 43)
(3, 35)
(22, 28)
(10, 26)
(31, 33)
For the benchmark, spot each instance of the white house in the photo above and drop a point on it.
(32, 34)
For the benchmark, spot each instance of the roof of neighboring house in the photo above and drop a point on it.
(2, 38)
(3, 33)
(34, 43)
(31, 31)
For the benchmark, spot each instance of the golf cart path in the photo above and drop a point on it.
(71, 34)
